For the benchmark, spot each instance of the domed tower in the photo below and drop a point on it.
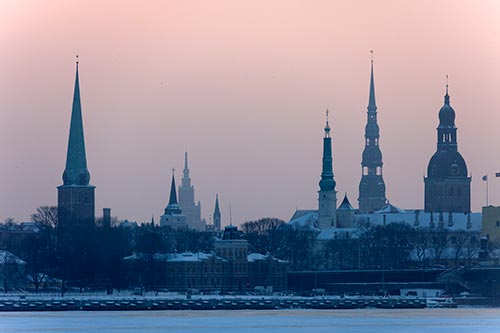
(372, 186)
(447, 185)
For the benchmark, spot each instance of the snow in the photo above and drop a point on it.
(9, 258)
(245, 321)
(177, 257)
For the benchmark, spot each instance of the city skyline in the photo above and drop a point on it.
(141, 116)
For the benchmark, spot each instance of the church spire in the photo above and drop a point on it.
(372, 186)
(76, 172)
(327, 199)
(173, 192)
(327, 183)
(372, 105)
(217, 216)
(186, 168)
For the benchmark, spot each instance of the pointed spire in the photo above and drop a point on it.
(327, 126)
(217, 209)
(173, 193)
(76, 172)
(186, 161)
(372, 106)
(327, 183)
(446, 96)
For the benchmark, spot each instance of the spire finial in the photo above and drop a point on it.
(327, 126)
(371, 54)
(446, 96)
(173, 172)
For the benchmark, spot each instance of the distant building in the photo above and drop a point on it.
(491, 223)
(447, 185)
(230, 268)
(173, 216)
(190, 209)
(75, 198)
(371, 187)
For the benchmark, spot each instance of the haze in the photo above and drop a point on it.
(243, 87)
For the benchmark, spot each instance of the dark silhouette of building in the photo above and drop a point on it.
(191, 209)
(372, 187)
(76, 202)
(447, 185)
(327, 196)
(173, 215)
(217, 216)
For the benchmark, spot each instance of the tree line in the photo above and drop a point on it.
(92, 256)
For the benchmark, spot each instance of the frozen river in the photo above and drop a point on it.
(364, 320)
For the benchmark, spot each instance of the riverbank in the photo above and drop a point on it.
(88, 303)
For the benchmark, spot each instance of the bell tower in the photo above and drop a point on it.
(447, 185)
(371, 187)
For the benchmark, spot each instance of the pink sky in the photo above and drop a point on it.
(243, 86)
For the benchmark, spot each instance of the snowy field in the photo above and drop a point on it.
(483, 320)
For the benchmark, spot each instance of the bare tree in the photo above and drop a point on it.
(46, 215)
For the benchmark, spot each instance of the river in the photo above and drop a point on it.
(460, 320)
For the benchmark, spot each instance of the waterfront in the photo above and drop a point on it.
(360, 320)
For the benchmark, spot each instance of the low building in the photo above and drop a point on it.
(230, 268)
(491, 223)
(12, 272)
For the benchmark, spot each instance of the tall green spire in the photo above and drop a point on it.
(76, 172)
(327, 183)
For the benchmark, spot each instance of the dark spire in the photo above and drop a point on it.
(345, 205)
(217, 209)
(372, 186)
(173, 193)
(446, 96)
(76, 172)
(372, 105)
(186, 168)
(327, 183)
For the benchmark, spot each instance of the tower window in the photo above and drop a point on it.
(379, 171)
(365, 171)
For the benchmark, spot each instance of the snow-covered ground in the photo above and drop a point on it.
(245, 321)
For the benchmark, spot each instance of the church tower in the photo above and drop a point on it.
(372, 186)
(173, 216)
(447, 185)
(217, 216)
(75, 198)
(186, 200)
(327, 196)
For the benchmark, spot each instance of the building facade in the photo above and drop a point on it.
(447, 185)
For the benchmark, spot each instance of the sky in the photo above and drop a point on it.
(243, 87)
